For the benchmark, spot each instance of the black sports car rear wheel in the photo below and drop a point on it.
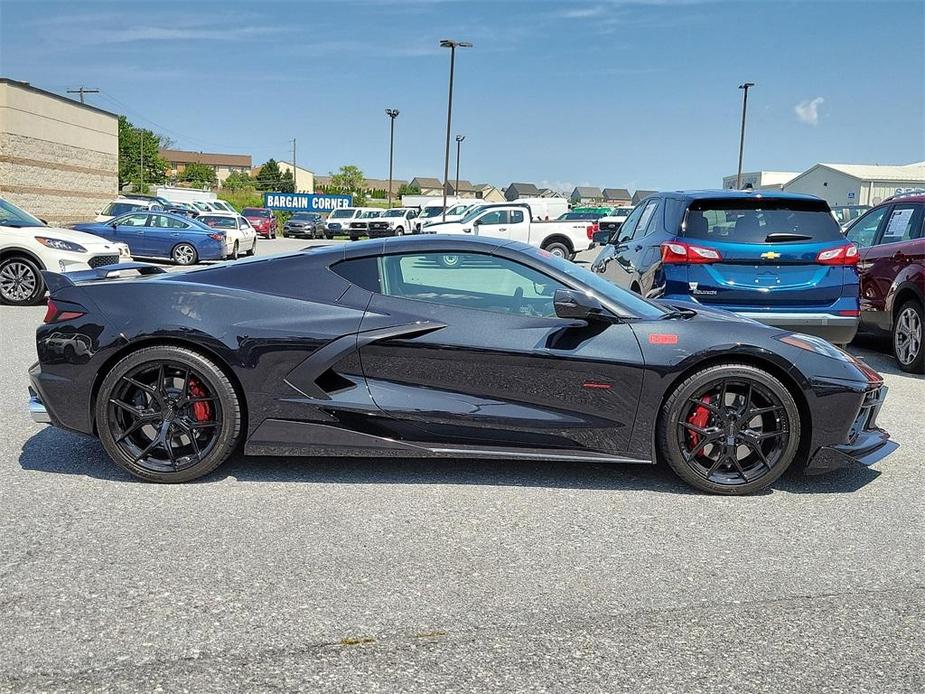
(167, 414)
(730, 429)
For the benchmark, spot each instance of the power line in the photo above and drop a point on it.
(82, 91)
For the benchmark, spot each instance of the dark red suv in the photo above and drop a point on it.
(891, 240)
(262, 219)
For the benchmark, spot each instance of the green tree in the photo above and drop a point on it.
(198, 174)
(286, 183)
(269, 177)
(408, 189)
(137, 145)
(349, 179)
(238, 180)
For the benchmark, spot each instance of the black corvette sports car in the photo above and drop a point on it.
(441, 347)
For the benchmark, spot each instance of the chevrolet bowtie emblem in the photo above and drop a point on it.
(770, 255)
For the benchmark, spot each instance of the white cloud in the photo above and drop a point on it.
(581, 12)
(808, 111)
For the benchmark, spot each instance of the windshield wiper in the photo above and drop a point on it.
(786, 236)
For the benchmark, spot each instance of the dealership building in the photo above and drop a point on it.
(857, 184)
(59, 159)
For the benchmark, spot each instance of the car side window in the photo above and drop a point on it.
(629, 225)
(494, 217)
(363, 272)
(133, 220)
(903, 224)
(164, 222)
(864, 231)
(470, 280)
(647, 220)
(517, 216)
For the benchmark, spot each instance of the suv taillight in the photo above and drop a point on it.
(679, 253)
(56, 314)
(841, 255)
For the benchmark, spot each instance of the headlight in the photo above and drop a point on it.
(123, 250)
(60, 244)
(811, 343)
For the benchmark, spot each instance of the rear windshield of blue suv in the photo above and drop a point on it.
(761, 221)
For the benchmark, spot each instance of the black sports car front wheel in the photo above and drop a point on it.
(167, 414)
(730, 429)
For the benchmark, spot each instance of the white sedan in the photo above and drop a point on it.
(240, 236)
(28, 246)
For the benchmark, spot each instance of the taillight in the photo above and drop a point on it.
(217, 237)
(592, 230)
(55, 314)
(678, 253)
(842, 255)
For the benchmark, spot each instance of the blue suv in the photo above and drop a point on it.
(776, 257)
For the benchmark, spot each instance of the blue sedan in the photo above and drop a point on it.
(162, 235)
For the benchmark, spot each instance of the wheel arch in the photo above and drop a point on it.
(760, 362)
(161, 341)
(558, 238)
(904, 292)
(14, 251)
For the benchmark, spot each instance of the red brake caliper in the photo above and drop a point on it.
(202, 411)
(699, 418)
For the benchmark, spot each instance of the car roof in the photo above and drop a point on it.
(912, 196)
(220, 213)
(738, 195)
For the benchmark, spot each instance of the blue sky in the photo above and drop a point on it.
(627, 94)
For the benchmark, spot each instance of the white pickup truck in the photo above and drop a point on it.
(512, 221)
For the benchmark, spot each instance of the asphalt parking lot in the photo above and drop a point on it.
(370, 575)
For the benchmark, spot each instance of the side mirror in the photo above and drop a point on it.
(477, 222)
(570, 303)
(602, 238)
(113, 225)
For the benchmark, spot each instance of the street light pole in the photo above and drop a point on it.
(459, 139)
(744, 87)
(392, 113)
(452, 45)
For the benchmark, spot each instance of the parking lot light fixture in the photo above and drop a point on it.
(392, 113)
(744, 87)
(459, 139)
(452, 45)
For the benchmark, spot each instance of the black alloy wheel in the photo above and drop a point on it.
(167, 414)
(730, 429)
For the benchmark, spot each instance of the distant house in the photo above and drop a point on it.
(488, 193)
(515, 191)
(465, 189)
(617, 196)
(642, 195)
(223, 164)
(374, 184)
(427, 186)
(586, 195)
(550, 193)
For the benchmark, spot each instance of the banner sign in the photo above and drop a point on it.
(306, 202)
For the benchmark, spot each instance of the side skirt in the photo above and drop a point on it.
(280, 437)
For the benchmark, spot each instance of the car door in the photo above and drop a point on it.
(886, 258)
(492, 223)
(163, 233)
(477, 358)
(618, 265)
(864, 233)
(130, 229)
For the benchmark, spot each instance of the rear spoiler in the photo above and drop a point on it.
(57, 280)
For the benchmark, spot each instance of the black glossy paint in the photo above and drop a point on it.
(327, 367)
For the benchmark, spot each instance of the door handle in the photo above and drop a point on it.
(899, 255)
(502, 228)
(637, 247)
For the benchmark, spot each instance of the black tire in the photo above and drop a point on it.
(253, 249)
(770, 438)
(399, 231)
(907, 337)
(235, 251)
(558, 248)
(222, 439)
(21, 282)
(285, 235)
(184, 254)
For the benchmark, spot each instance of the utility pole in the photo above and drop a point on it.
(82, 91)
(295, 188)
(392, 113)
(459, 139)
(744, 87)
(142, 159)
(452, 45)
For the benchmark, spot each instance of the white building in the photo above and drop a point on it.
(857, 184)
(760, 180)
(304, 179)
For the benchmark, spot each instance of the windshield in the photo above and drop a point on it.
(342, 214)
(12, 216)
(431, 212)
(369, 213)
(256, 212)
(394, 213)
(306, 215)
(458, 209)
(202, 206)
(633, 303)
(219, 222)
(761, 221)
(117, 208)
